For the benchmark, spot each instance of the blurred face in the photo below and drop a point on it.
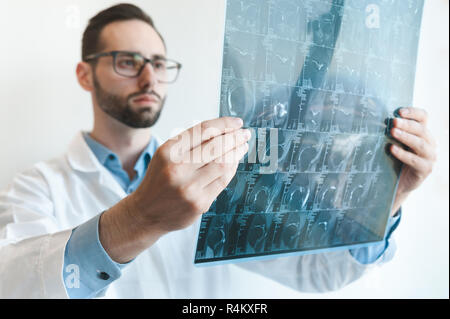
(136, 102)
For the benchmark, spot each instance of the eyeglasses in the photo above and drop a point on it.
(131, 64)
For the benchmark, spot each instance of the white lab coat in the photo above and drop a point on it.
(41, 206)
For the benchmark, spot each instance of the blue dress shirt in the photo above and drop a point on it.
(97, 270)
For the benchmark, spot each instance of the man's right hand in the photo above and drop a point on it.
(183, 179)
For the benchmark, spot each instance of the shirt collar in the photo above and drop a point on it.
(108, 158)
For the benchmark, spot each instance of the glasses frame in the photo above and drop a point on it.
(114, 54)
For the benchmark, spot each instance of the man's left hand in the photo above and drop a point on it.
(411, 130)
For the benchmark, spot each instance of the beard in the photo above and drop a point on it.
(120, 109)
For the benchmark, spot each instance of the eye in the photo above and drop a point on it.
(127, 62)
(159, 65)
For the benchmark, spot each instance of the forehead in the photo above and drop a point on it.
(132, 35)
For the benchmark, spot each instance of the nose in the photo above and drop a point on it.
(147, 78)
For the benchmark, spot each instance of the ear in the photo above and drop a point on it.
(85, 77)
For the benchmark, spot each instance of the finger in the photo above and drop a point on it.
(413, 113)
(219, 184)
(414, 161)
(211, 172)
(204, 131)
(417, 144)
(218, 175)
(217, 147)
(413, 127)
(214, 148)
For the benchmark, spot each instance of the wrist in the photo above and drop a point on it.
(122, 234)
(141, 216)
(398, 202)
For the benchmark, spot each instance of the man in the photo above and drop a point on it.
(117, 215)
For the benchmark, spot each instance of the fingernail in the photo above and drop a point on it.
(238, 121)
(395, 148)
(247, 134)
(396, 131)
(404, 111)
(398, 122)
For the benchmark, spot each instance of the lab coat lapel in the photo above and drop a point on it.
(82, 159)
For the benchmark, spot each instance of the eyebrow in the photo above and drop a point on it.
(158, 56)
(154, 56)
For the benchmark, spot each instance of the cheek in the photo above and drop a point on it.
(125, 87)
(122, 87)
(114, 83)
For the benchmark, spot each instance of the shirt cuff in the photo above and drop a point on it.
(370, 254)
(88, 269)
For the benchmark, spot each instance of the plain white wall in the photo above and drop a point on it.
(42, 107)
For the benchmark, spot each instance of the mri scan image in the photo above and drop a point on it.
(317, 83)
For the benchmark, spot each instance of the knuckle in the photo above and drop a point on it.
(222, 165)
(164, 151)
(420, 128)
(195, 206)
(421, 144)
(189, 196)
(228, 122)
(171, 173)
(204, 126)
(402, 123)
(414, 161)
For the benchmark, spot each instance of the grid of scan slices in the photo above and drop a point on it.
(315, 81)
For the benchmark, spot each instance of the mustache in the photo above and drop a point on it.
(145, 92)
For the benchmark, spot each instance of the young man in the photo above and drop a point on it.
(116, 215)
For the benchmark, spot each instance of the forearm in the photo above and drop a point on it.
(124, 234)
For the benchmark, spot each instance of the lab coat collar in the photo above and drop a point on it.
(82, 159)
(80, 156)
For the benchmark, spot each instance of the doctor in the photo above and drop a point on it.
(117, 215)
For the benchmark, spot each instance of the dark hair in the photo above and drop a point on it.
(120, 12)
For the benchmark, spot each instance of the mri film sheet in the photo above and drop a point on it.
(317, 82)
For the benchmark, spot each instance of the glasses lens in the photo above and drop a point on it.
(166, 70)
(128, 64)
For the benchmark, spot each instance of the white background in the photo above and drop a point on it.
(42, 107)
